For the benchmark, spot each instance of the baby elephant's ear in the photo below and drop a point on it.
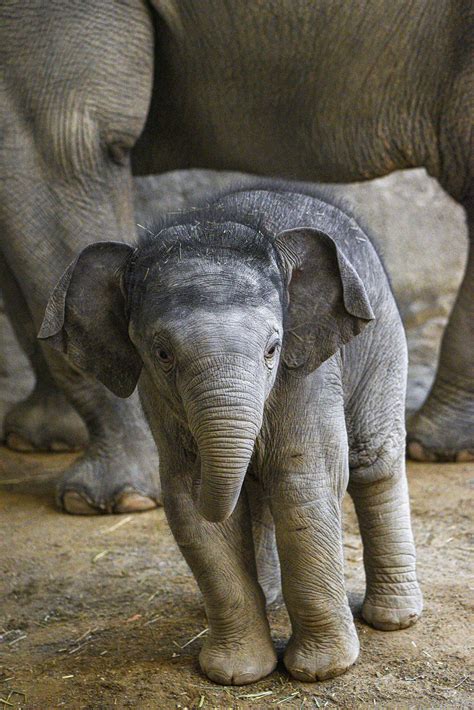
(85, 317)
(328, 304)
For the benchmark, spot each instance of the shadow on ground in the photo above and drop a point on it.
(100, 612)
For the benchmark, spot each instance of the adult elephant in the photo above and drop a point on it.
(314, 90)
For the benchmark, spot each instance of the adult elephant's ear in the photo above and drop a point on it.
(86, 317)
(328, 304)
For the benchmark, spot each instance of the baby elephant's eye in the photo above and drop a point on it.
(119, 153)
(165, 358)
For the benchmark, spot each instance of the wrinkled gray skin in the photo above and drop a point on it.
(60, 190)
(44, 421)
(326, 90)
(272, 365)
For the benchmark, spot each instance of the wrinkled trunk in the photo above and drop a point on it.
(225, 416)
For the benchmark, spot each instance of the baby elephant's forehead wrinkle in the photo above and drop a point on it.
(198, 282)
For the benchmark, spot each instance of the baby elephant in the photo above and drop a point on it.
(272, 365)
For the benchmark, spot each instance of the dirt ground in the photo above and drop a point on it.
(102, 612)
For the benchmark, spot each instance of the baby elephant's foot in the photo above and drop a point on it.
(94, 485)
(45, 421)
(393, 609)
(311, 657)
(240, 661)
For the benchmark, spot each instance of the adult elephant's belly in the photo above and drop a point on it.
(292, 89)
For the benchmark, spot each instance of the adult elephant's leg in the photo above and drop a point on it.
(119, 469)
(393, 599)
(45, 420)
(74, 101)
(118, 472)
(443, 430)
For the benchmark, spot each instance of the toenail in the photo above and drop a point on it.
(75, 504)
(417, 452)
(60, 446)
(18, 443)
(131, 501)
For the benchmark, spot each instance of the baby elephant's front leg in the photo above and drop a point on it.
(238, 648)
(307, 517)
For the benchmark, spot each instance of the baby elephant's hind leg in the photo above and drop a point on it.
(393, 598)
(263, 529)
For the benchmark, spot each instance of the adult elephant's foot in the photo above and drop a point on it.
(443, 429)
(397, 606)
(319, 656)
(122, 483)
(238, 662)
(45, 421)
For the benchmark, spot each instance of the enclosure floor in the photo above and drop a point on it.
(96, 612)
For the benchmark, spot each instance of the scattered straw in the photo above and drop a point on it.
(194, 638)
(292, 696)
(118, 525)
(19, 638)
(14, 691)
(99, 556)
(263, 694)
(153, 621)
(79, 648)
(86, 634)
(25, 479)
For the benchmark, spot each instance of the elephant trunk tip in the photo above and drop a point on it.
(212, 515)
(214, 511)
(215, 506)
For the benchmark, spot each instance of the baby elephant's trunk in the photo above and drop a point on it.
(225, 415)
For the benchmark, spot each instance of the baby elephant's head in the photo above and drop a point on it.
(210, 311)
